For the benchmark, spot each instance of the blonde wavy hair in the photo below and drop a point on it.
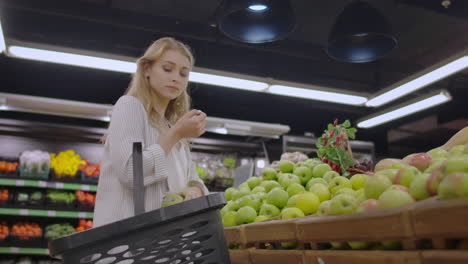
(140, 87)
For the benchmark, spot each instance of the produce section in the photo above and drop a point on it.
(332, 208)
(44, 196)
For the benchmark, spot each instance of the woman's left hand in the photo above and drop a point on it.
(192, 193)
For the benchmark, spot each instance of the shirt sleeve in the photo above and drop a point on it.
(128, 125)
(193, 178)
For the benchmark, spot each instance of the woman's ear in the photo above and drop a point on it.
(147, 69)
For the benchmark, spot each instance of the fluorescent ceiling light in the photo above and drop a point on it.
(420, 82)
(317, 95)
(2, 39)
(258, 8)
(72, 59)
(227, 81)
(406, 110)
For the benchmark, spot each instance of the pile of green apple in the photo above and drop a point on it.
(311, 187)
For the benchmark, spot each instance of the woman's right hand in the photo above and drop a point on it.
(191, 125)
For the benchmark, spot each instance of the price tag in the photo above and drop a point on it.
(51, 213)
(24, 212)
(85, 187)
(42, 184)
(14, 250)
(82, 215)
(19, 183)
(59, 185)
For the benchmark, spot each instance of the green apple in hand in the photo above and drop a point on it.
(304, 173)
(269, 174)
(172, 199)
(358, 181)
(376, 185)
(343, 204)
(277, 197)
(269, 210)
(286, 166)
(245, 215)
(320, 169)
(314, 181)
(295, 188)
(337, 183)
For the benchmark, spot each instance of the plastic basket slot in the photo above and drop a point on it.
(118, 250)
(133, 253)
(126, 261)
(200, 239)
(149, 257)
(199, 224)
(107, 260)
(189, 234)
(173, 232)
(163, 259)
(90, 258)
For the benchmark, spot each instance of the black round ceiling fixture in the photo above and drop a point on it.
(360, 34)
(256, 21)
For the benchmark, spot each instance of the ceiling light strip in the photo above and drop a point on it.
(93, 60)
(405, 110)
(406, 87)
(2, 39)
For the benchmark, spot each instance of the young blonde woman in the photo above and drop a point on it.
(154, 111)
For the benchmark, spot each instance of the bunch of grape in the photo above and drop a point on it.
(361, 166)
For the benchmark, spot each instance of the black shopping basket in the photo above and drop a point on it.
(186, 233)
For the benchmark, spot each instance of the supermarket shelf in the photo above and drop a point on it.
(24, 251)
(48, 185)
(45, 213)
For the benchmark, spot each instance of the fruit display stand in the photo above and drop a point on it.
(265, 256)
(385, 225)
(444, 256)
(262, 234)
(359, 257)
(441, 221)
(239, 256)
(234, 235)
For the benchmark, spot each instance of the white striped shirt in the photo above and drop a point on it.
(114, 200)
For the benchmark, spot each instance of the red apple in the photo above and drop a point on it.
(368, 205)
(418, 160)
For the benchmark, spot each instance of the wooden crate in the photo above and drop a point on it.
(444, 256)
(265, 256)
(360, 257)
(383, 225)
(441, 222)
(239, 256)
(272, 232)
(234, 235)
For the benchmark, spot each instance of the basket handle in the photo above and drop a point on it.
(138, 188)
